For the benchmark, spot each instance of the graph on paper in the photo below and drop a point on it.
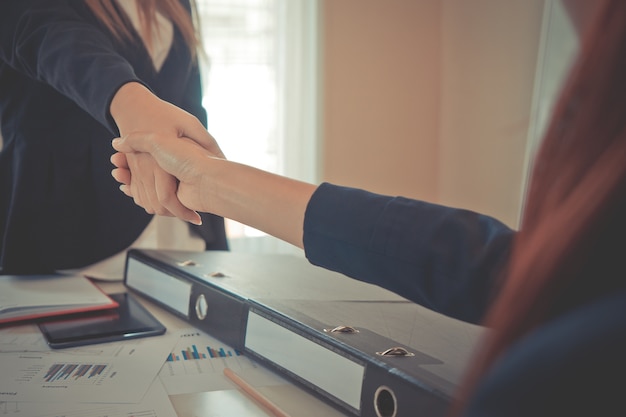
(199, 353)
(121, 374)
(77, 373)
(65, 374)
(197, 362)
(207, 352)
(155, 403)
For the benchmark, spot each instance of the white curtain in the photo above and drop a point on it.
(260, 91)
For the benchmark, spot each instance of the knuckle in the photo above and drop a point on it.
(167, 199)
(161, 211)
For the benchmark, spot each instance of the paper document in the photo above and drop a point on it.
(197, 362)
(156, 403)
(119, 372)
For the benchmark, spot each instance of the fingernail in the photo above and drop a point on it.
(197, 220)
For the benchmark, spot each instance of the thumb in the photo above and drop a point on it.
(120, 145)
(131, 143)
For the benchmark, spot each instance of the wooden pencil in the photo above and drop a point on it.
(254, 393)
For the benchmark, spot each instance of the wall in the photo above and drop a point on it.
(381, 68)
(429, 98)
(490, 53)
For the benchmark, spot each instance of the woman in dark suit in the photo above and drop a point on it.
(74, 74)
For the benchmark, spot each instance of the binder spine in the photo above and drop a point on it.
(386, 394)
(343, 369)
(205, 306)
(289, 348)
(345, 376)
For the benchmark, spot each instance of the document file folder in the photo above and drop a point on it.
(363, 349)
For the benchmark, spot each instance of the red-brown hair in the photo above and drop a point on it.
(110, 15)
(570, 245)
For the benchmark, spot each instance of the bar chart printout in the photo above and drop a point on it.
(119, 373)
(197, 362)
(208, 352)
(73, 372)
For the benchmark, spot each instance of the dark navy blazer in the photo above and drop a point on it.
(450, 260)
(59, 69)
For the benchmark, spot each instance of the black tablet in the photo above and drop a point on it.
(128, 321)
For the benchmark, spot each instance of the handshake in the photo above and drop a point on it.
(171, 166)
(179, 176)
(167, 176)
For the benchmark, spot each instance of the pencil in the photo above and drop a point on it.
(256, 395)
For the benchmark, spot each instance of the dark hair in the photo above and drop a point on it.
(565, 250)
(111, 16)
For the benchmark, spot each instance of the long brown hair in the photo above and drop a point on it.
(565, 252)
(110, 15)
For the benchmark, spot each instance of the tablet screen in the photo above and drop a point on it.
(128, 321)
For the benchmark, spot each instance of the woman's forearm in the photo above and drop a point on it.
(265, 201)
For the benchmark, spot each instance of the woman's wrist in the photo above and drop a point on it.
(260, 199)
(126, 100)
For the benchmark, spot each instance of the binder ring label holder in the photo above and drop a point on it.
(385, 402)
(202, 307)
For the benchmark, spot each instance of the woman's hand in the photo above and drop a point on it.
(179, 158)
(139, 112)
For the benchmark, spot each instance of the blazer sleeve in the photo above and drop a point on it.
(443, 258)
(192, 96)
(51, 42)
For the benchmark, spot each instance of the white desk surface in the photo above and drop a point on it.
(194, 387)
(224, 403)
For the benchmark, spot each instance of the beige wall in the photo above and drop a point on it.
(381, 89)
(429, 98)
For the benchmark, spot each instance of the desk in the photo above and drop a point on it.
(211, 394)
(290, 398)
(29, 390)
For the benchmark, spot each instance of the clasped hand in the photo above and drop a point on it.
(162, 174)
(156, 167)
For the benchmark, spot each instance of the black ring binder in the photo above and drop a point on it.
(283, 312)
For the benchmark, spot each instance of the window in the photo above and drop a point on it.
(259, 81)
(557, 50)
